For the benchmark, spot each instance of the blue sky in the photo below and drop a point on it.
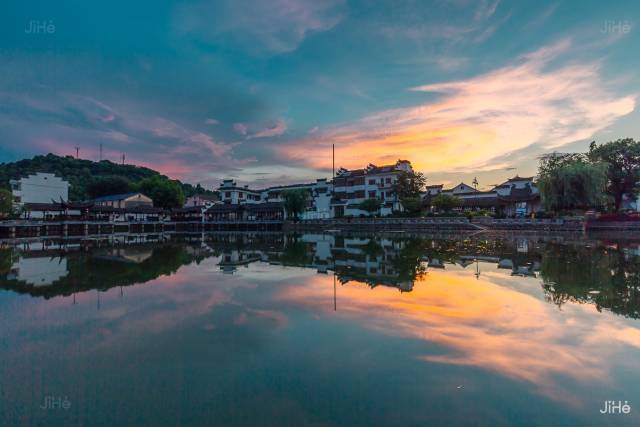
(259, 90)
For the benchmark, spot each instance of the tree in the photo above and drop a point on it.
(408, 188)
(80, 173)
(371, 206)
(295, 202)
(570, 181)
(412, 206)
(6, 203)
(108, 186)
(410, 184)
(622, 158)
(445, 202)
(164, 192)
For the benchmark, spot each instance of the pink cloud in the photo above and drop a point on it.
(278, 128)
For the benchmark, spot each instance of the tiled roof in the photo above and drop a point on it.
(520, 195)
(115, 197)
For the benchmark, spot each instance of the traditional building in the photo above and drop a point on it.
(201, 200)
(519, 196)
(39, 188)
(318, 202)
(126, 200)
(231, 193)
(515, 197)
(352, 187)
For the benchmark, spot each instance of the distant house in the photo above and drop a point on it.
(318, 202)
(39, 188)
(231, 193)
(127, 200)
(201, 200)
(517, 196)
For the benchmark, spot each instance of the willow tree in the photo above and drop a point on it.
(622, 158)
(295, 202)
(570, 181)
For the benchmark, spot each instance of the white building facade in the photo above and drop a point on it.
(40, 188)
(352, 187)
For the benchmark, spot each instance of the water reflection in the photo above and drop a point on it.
(323, 329)
(603, 274)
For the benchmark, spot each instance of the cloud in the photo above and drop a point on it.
(457, 22)
(56, 121)
(211, 122)
(241, 128)
(277, 128)
(272, 27)
(474, 121)
(252, 131)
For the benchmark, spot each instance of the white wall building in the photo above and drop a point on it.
(231, 193)
(39, 271)
(352, 187)
(318, 204)
(40, 188)
(207, 200)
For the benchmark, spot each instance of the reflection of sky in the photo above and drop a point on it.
(265, 342)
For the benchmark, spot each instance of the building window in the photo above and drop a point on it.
(372, 194)
(372, 182)
(388, 180)
(227, 194)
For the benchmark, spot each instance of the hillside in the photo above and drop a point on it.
(90, 179)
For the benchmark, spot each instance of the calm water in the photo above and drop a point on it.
(320, 329)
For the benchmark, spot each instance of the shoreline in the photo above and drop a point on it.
(19, 231)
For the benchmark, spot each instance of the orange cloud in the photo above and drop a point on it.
(477, 120)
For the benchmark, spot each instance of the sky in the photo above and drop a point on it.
(259, 91)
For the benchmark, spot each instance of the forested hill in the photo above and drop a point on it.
(91, 179)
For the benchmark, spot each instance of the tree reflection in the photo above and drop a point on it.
(97, 268)
(582, 271)
(608, 277)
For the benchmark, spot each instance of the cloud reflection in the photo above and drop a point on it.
(487, 325)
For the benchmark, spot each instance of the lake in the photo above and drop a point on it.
(312, 329)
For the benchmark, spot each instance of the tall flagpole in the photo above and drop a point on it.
(333, 156)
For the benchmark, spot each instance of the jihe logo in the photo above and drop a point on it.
(616, 27)
(40, 27)
(56, 402)
(615, 407)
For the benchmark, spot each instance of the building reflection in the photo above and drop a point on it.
(63, 268)
(604, 274)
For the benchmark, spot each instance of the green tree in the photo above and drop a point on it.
(410, 184)
(6, 203)
(108, 186)
(295, 202)
(570, 181)
(622, 158)
(445, 202)
(164, 192)
(412, 206)
(371, 206)
(81, 173)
